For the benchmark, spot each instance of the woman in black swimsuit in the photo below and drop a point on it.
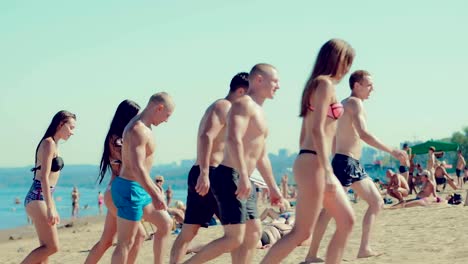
(39, 203)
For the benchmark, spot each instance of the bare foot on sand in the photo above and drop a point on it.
(368, 254)
(312, 260)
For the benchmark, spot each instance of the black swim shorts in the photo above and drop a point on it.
(200, 209)
(347, 169)
(440, 181)
(403, 169)
(224, 181)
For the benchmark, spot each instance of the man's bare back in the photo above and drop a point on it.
(215, 113)
(211, 135)
(399, 181)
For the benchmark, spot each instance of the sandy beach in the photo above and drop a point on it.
(436, 234)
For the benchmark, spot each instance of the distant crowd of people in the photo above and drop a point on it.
(424, 182)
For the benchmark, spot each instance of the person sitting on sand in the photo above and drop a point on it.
(382, 188)
(442, 177)
(282, 216)
(428, 188)
(397, 186)
(423, 198)
(177, 214)
(271, 233)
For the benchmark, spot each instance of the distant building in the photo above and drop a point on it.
(186, 163)
(283, 153)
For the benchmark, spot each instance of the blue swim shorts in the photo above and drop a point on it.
(129, 198)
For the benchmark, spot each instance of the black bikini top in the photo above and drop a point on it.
(56, 165)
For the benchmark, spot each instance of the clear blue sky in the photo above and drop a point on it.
(87, 56)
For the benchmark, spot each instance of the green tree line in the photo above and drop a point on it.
(461, 138)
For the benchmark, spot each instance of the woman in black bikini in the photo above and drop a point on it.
(111, 160)
(312, 169)
(39, 203)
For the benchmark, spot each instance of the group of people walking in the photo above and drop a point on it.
(231, 143)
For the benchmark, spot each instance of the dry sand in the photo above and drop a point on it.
(436, 234)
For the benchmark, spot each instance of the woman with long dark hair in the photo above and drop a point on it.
(317, 185)
(111, 160)
(39, 203)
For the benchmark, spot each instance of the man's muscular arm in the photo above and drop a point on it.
(238, 121)
(357, 112)
(137, 140)
(214, 122)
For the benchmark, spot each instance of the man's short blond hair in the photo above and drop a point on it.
(162, 98)
(261, 69)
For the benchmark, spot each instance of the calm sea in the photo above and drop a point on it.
(14, 215)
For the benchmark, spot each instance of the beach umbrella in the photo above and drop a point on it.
(423, 148)
(257, 179)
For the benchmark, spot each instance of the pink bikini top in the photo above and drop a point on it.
(335, 110)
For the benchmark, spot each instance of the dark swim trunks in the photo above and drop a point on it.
(35, 192)
(458, 172)
(265, 239)
(403, 169)
(440, 181)
(200, 209)
(347, 169)
(224, 181)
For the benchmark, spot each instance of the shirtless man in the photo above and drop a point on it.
(412, 167)
(461, 163)
(423, 198)
(431, 163)
(201, 204)
(397, 186)
(405, 163)
(442, 177)
(245, 149)
(350, 131)
(428, 187)
(134, 193)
